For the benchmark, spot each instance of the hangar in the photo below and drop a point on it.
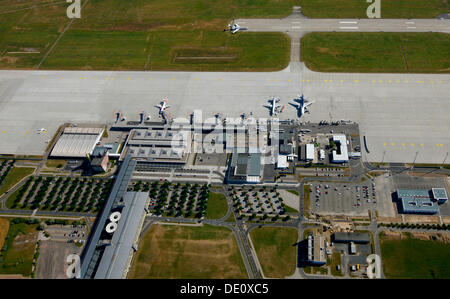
(77, 142)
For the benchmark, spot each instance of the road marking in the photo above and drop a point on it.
(342, 81)
(26, 132)
(303, 80)
(348, 22)
(150, 78)
(356, 81)
(349, 28)
(326, 81)
(295, 27)
(296, 22)
(397, 81)
(420, 81)
(390, 81)
(62, 77)
(42, 77)
(276, 80)
(128, 78)
(173, 78)
(422, 144)
(288, 80)
(412, 144)
(412, 27)
(406, 81)
(384, 143)
(381, 81)
(403, 144)
(220, 79)
(440, 82)
(392, 143)
(3, 132)
(112, 78)
(196, 79)
(410, 22)
(374, 81)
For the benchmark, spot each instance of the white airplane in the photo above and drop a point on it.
(302, 105)
(42, 130)
(163, 106)
(274, 105)
(233, 28)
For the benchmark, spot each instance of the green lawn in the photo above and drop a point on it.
(334, 262)
(20, 246)
(376, 52)
(217, 206)
(290, 210)
(389, 8)
(414, 258)
(295, 192)
(133, 35)
(276, 250)
(182, 252)
(14, 176)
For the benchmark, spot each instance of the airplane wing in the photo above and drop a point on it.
(307, 104)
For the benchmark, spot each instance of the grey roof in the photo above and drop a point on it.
(117, 256)
(417, 201)
(90, 254)
(246, 163)
(356, 237)
(100, 151)
(439, 193)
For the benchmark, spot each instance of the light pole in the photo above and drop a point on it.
(443, 162)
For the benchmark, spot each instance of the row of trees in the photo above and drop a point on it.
(417, 226)
(5, 167)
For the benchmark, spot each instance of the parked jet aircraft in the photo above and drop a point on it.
(162, 106)
(301, 104)
(274, 105)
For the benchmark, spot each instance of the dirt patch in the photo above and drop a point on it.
(421, 219)
(12, 276)
(4, 227)
(9, 59)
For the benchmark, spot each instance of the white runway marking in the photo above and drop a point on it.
(295, 27)
(348, 22)
(348, 28)
(412, 27)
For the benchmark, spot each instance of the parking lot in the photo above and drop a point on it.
(343, 198)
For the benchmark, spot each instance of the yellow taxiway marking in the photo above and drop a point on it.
(3, 132)
(389, 81)
(128, 78)
(244, 80)
(196, 79)
(307, 80)
(384, 143)
(397, 81)
(220, 79)
(439, 144)
(440, 82)
(288, 80)
(374, 81)
(150, 78)
(95, 78)
(412, 144)
(421, 144)
(403, 144)
(26, 132)
(62, 77)
(420, 81)
(276, 80)
(173, 78)
(112, 78)
(331, 81)
(392, 143)
(42, 77)
(406, 81)
(326, 81)
(270, 80)
(356, 81)
(342, 81)
(381, 81)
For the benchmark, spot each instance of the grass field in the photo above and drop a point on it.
(217, 206)
(55, 163)
(138, 35)
(20, 247)
(414, 258)
(376, 52)
(335, 261)
(276, 250)
(389, 8)
(183, 252)
(4, 226)
(14, 176)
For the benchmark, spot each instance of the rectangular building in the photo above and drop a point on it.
(414, 201)
(77, 142)
(341, 154)
(245, 167)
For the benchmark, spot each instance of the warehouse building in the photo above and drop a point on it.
(416, 201)
(77, 142)
(316, 250)
(355, 237)
(307, 152)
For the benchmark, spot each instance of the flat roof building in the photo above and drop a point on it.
(355, 237)
(415, 201)
(245, 167)
(341, 154)
(315, 253)
(77, 142)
